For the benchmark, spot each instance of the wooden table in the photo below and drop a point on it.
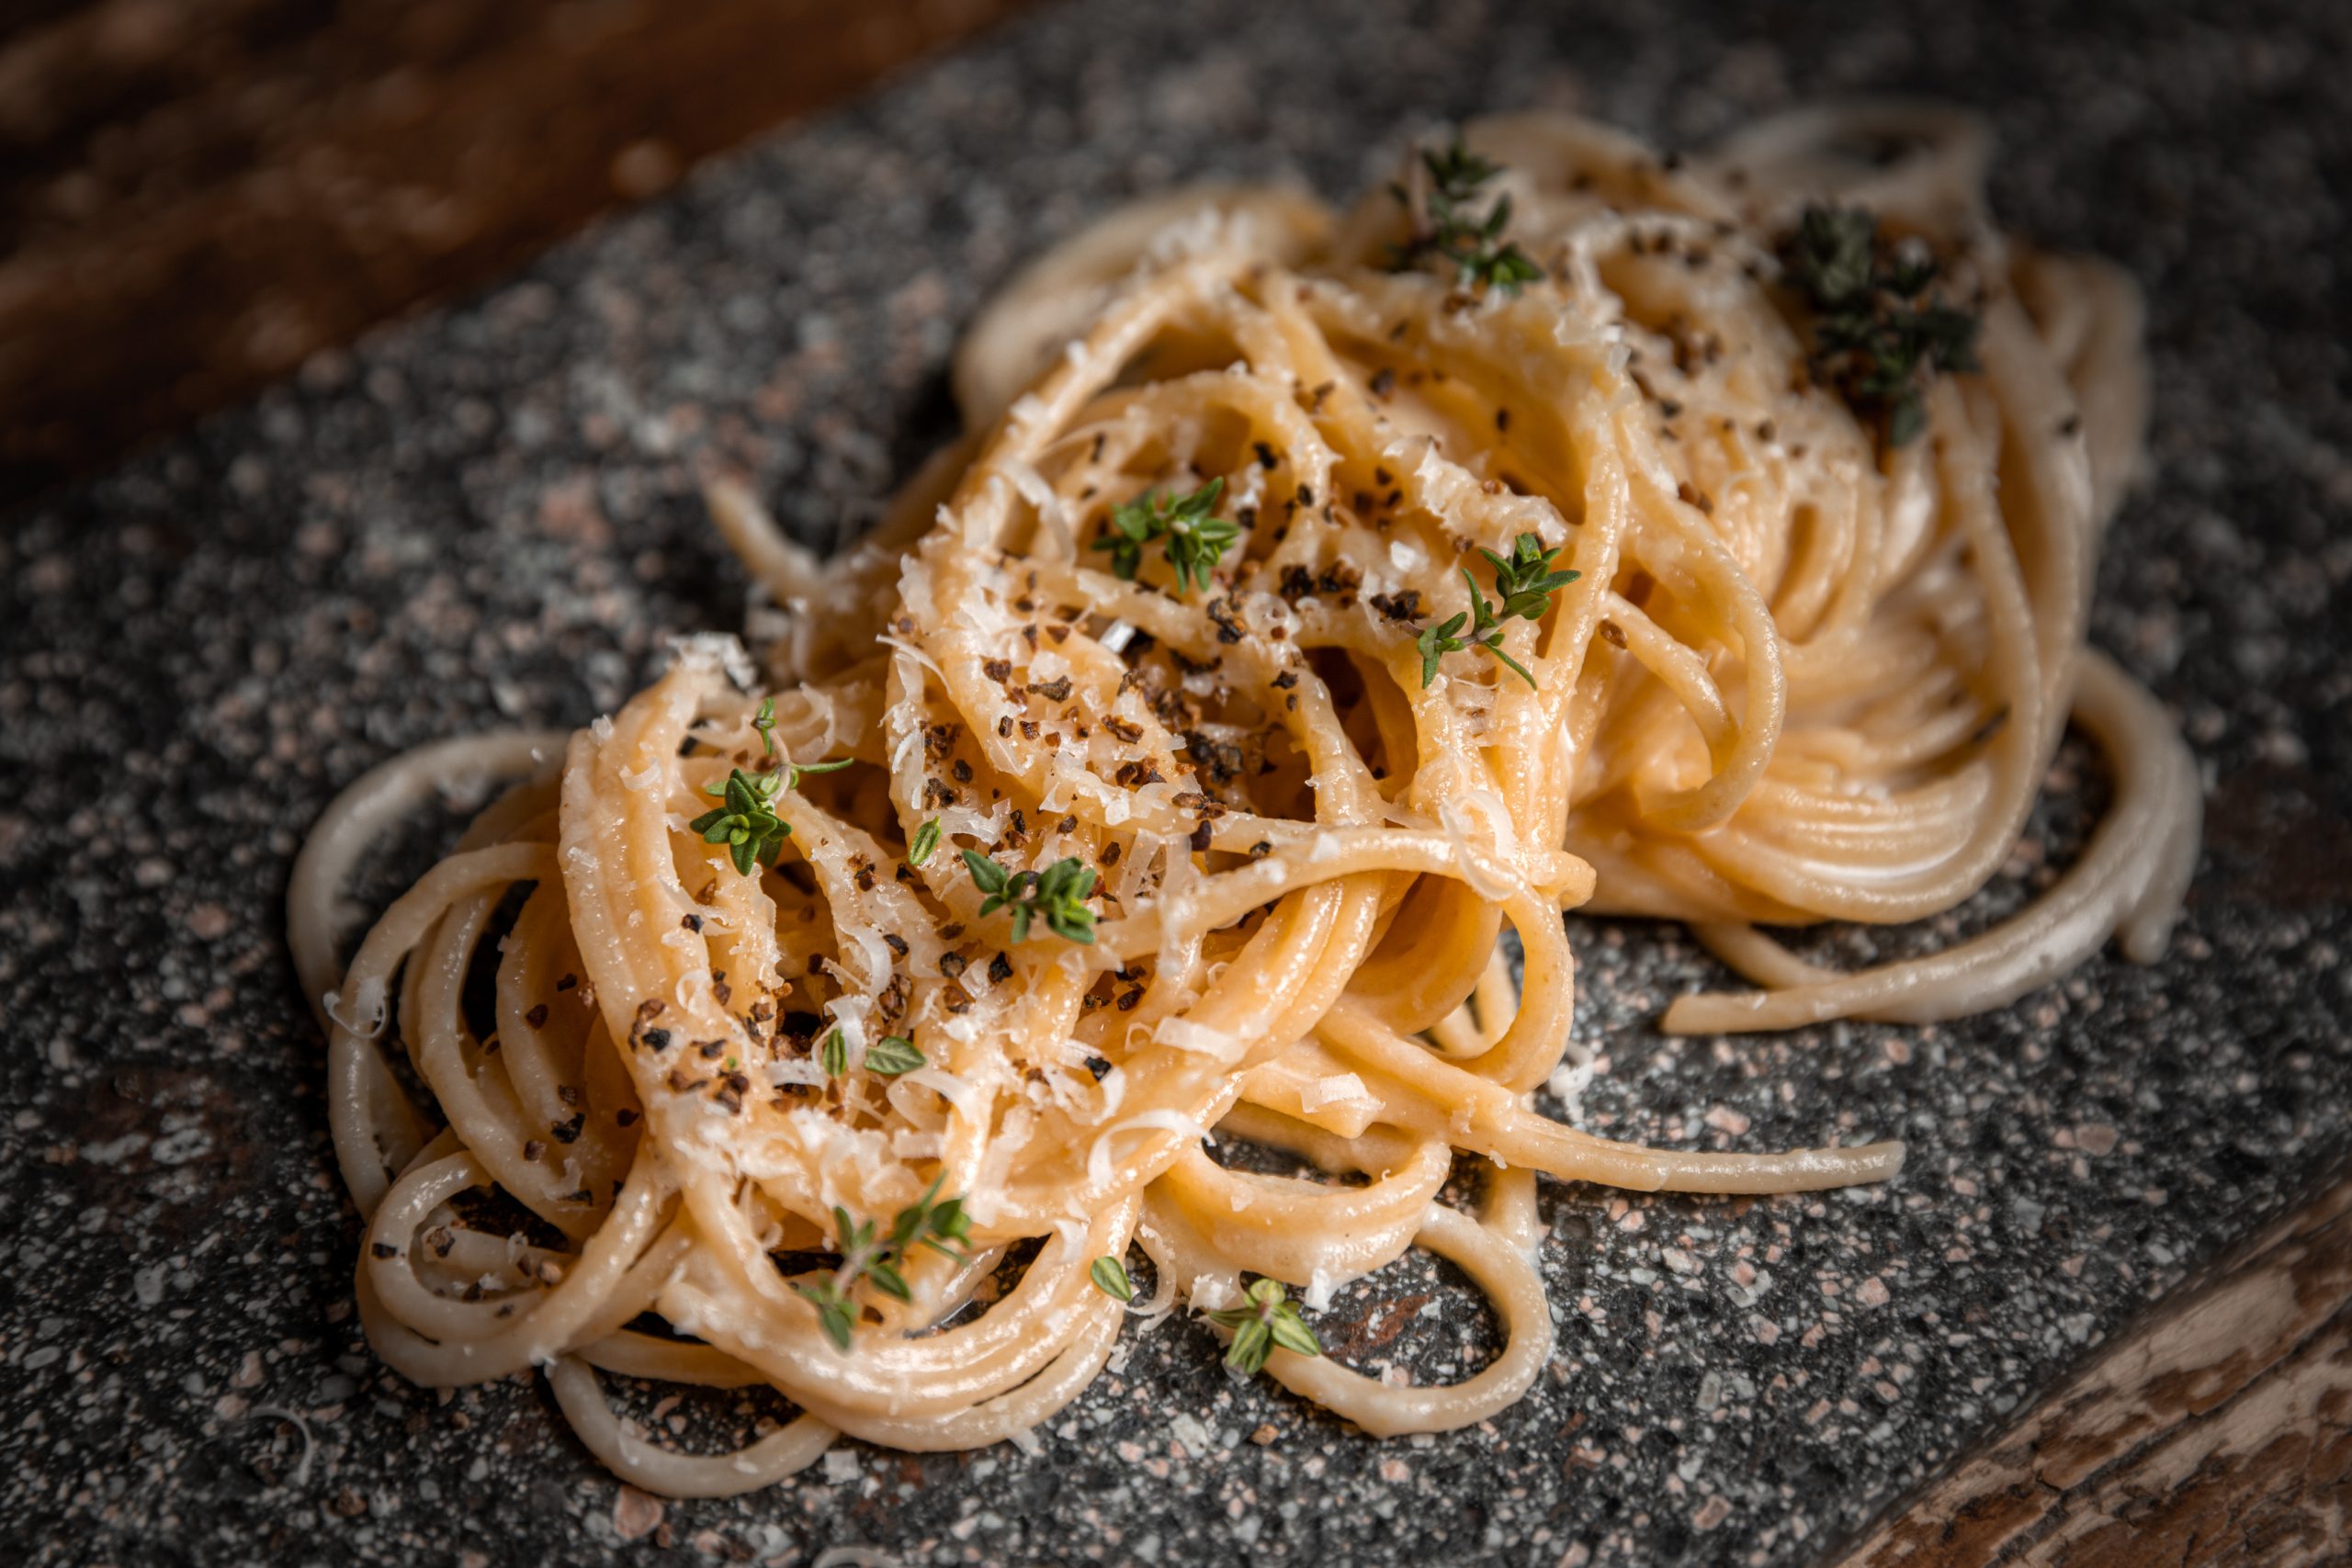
(2219, 1433)
(196, 197)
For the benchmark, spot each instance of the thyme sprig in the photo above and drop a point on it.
(1879, 334)
(1056, 895)
(1196, 539)
(939, 1223)
(1447, 231)
(1525, 583)
(748, 824)
(1266, 1318)
(926, 840)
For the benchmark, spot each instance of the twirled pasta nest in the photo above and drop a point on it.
(1803, 671)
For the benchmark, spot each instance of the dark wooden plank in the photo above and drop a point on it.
(195, 195)
(2219, 1433)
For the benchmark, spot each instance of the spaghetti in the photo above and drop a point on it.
(1192, 778)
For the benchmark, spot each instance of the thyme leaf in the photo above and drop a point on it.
(1879, 334)
(1196, 538)
(1525, 583)
(1056, 895)
(748, 824)
(1266, 1319)
(930, 1221)
(893, 1054)
(1110, 1277)
(1450, 234)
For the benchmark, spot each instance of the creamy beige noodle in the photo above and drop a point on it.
(1805, 672)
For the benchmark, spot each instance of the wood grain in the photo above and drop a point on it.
(2219, 1433)
(197, 194)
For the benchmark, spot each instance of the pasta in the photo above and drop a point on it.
(1188, 781)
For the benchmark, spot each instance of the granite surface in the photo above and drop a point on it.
(488, 516)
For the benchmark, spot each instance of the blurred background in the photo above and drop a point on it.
(199, 196)
(195, 195)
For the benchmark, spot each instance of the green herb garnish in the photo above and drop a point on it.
(1268, 1319)
(748, 824)
(941, 1225)
(1196, 539)
(1525, 583)
(926, 840)
(1878, 334)
(893, 1054)
(1449, 232)
(832, 1053)
(765, 722)
(1056, 895)
(1110, 1277)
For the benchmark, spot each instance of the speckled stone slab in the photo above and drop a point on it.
(488, 516)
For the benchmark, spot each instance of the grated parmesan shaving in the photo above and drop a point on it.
(1458, 817)
(1182, 1034)
(717, 650)
(1319, 1286)
(367, 1004)
(1098, 1156)
(1338, 1087)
